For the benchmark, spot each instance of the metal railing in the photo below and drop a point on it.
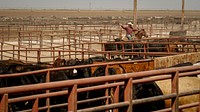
(104, 82)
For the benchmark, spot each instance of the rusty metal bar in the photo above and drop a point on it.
(35, 106)
(72, 67)
(38, 55)
(2, 50)
(4, 103)
(54, 54)
(107, 91)
(66, 104)
(72, 98)
(41, 41)
(26, 55)
(128, 94)
(79, 102)
(59, 93)
(13, 53)
(82, 53)
(189, 105)
(170, 70)
(154, 98)
(199, 103)
(116, 97)
(105, 107)
(192, 73)
(19, 45)
(59, 52)
(123, 104)
(110, 85)
(175, 89)
(106, 52)
(48, 91)
(63, 53)
(180, 107)
(138, 101)
(95, 79)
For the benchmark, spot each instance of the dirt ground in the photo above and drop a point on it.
(95, 13)
(13, 13)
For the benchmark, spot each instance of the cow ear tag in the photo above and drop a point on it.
(74, 71)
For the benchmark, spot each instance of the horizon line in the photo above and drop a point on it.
(98, 9)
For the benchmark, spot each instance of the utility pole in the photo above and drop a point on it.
(135, 13)
(90, 6)
(182, 17)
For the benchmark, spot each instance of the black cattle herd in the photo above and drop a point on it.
(143, 90)
(155, 45)
(137, 47)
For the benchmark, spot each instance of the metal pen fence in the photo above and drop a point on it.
(127, 80)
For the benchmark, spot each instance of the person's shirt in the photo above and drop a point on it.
(129, 30)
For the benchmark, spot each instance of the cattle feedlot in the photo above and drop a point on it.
(81, 61)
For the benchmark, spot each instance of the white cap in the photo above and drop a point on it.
(129, 23)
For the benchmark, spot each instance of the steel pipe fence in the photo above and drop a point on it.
(90, 49)
(126, 79)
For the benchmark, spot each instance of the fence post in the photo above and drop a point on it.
(38, 55)
(107, 91)
(89, 48)
(13, 52)
(128, 94)
(63, 53)
(59, 54)
(47, 91)
(1, 50)
(75, 43)
(19, 45)
(116, 97)
(123, 50)
(199, 103)
(4, 103)
(53, 53)
(69, 51)
(103, 49)
(35, 106)
(145, 51)
(72, 99)
(151, 30)
(51, 43)
(41, 41)
(82, 51)
(26, 55)
(175, 89)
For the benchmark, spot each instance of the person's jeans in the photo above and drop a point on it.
(129, 36)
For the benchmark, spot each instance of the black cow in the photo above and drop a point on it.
(97, 59)
(15, 66)
(127, 47)
(70, 75)
(143, 90)
(99, 93)
(12, 66)
(157, 47)
(182, 64)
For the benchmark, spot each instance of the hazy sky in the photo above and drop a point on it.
(99, 4)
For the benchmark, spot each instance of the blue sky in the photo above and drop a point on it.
(99, 4)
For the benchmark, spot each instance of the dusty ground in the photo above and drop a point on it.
(91, 13)
(87, 13)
